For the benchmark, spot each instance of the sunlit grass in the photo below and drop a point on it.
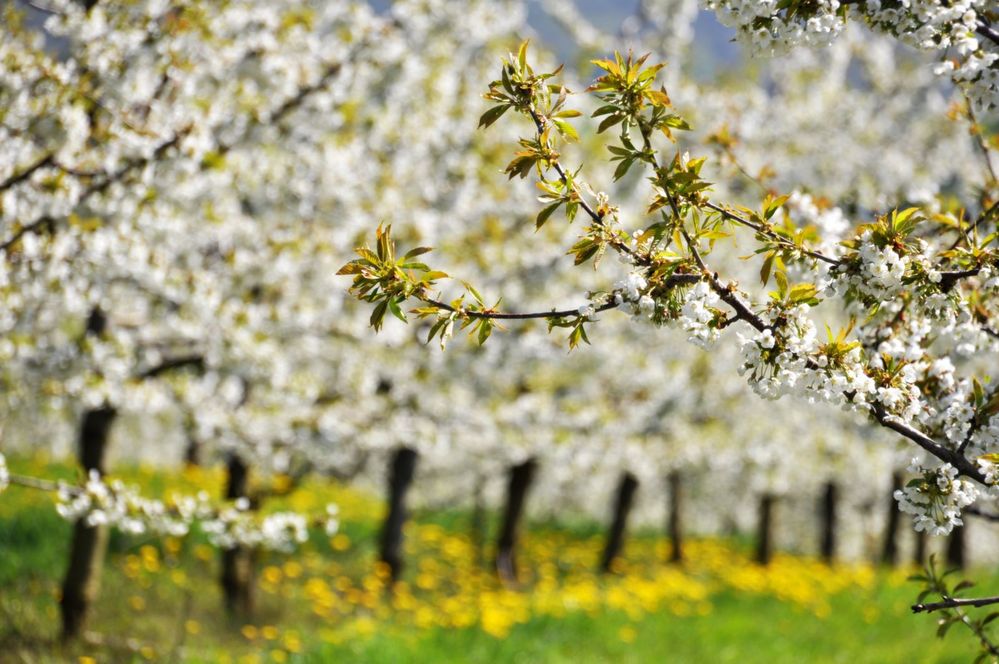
(331, 600)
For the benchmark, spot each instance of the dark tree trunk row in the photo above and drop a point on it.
(89, 544)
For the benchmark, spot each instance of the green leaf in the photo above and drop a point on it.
(393, 306)
(781, 279)
(609, 122)
(419, 251)
(433, 275)
(492, 115)
(604, 110)
(567, 129)
(485, 329)
(622, 168)
(378, 315)
(771, 205)
(475, 293)
(522, 54)
(545, 213)
(676, 122)
(768, 265)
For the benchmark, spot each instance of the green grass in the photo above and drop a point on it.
(162, 602)
(741, 629)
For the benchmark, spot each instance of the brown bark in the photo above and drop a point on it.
(623, 500)
(237, 577)
(889, 553)
(81, 584)
(520, 479)
(403, 466)
(830, 498)
(764, 535)
(674, 522)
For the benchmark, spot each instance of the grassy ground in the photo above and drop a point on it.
(328, 602)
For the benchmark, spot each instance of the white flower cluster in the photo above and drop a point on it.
(953, 401)
(631, 289)
(761, 26)
(831, 223)
(901, 398)
(988, 280)
(237, 526)
(881, 270)
(775, 369)
(938, 26)
(113, 504)
(932, 25)
(696, 314)
(788, 359)
(990, 469)
(4, 474)
(935, 498)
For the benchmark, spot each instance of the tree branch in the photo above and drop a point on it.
(95, 188)
(731, 216)
(959, 461)
(987, 31)
(953, 602)
(495, 315)
(196, 361)
(27, 172)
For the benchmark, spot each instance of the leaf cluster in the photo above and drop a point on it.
(386, 281)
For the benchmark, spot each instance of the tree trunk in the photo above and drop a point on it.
(479, 522)
(889, 554)
(919, 550)
(674, 524)
(403, 466)
(619, 520)
(237, 562)
(956, 550)
(829, 499)
(764, 536)
(520, 479)
(192, 453)
(86, 554)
